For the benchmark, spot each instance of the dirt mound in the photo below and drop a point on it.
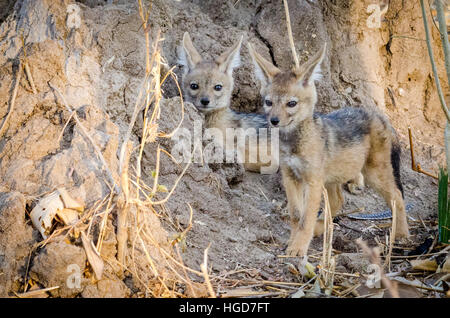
(88, 58)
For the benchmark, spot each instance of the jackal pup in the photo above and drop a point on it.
(208, 85)
(325, 150)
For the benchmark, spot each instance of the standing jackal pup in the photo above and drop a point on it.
(208, 85)
(325, 150)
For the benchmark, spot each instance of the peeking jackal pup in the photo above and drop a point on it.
(325, 150)
(208, 85)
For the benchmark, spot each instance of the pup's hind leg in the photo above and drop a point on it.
(381, 179)
(336, 200)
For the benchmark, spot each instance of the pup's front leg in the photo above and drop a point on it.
(307, 204)
(293, 204)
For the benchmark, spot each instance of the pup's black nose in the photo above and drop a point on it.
(274, 121)
(204, 101)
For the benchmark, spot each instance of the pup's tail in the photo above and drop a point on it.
(395, 162)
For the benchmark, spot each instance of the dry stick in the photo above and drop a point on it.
(149, 258)
(444, 38)
(65, 126)
(155, 114)
(291, 39)
(182, 107)
(152, 264)
(35, 292)
(433, 64)
(414, 166)
(374, 258)
(387, 262)
(124, 158)
(327, 263)
(102, 230)
(186, 281)
(156, 177)
(194, 294)
(134, 263)
(125, 153)
(200, 274)
(171, 157)
(123, 207)
(154, 86)
(204, 268)
(441, 15)
(169, 257)
(13, 101)
(25, 283)
(349, 290)
(30, 78)
(446, 47)
(131, 125)
(175, 185)
(411, 145)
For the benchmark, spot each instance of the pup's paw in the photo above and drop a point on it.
(354, 188)
(296, 248)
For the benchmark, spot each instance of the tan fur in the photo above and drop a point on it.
(325, 150)
(218, 114)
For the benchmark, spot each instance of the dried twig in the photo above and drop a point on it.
(188, 280)
(392, 236)
(93, 256)
(34, 293)
(13, 101)
(328, 262)
(433, 64)
(291, 39)
(446, 46)
(414, 166)
(204, 268)
(30, 78)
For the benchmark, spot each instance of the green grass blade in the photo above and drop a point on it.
(443, 208)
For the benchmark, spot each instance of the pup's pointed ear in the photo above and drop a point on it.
(310, 71)
(231, 58)
(188, 56)
(264, 70)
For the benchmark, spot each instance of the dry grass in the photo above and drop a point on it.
(139, 196)
(328, 262)
(12, 102)
(291, 38)
(157, 265)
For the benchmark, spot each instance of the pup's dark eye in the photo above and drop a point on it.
(268, 102)
(194, 86)
(292, 103)
(218, 87)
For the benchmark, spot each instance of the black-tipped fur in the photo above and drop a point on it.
(395, 161)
